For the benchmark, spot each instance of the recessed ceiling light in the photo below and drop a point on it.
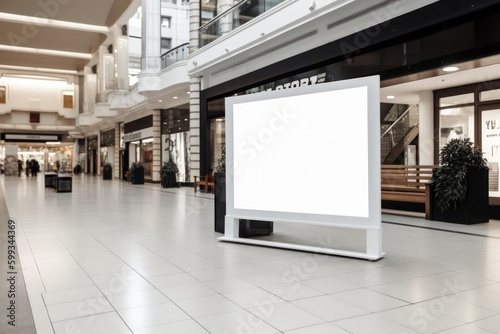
(175, 97)
(450, 68)
(390, 97)
(160, 101)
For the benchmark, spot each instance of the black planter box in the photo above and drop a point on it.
(63, 184)
(248, 228)
(50, 179)
(474, 209)
(137, 175)
(107, 173)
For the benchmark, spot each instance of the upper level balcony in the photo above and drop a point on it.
(240, 40)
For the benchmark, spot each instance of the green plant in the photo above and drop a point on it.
(169, 167)
(221, 163)
(168, 173)
(450, 180)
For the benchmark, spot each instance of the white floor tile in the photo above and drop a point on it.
(186, 326)
(106, 323)
(329, 308)
(236, 322)
(253, 298)
(372, 323)
(325, 328)
(285, 316)
(80, 308)
(137, 299)
(369, 300)
(208, 305)
(152, 315)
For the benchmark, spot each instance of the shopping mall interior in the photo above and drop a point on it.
(143, 84)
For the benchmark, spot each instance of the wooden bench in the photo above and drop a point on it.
(407, 183)
(206, 180)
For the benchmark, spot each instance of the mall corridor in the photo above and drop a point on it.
(111, 257)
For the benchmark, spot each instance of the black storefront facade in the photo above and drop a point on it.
(446, 32)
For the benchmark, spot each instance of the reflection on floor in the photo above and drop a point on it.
(111, 257)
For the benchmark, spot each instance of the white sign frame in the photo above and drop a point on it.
(355, 98)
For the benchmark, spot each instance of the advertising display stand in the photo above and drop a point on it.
(268, 132)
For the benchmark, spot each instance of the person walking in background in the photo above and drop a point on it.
(28, 167)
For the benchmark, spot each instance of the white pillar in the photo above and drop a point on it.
(426, 128)
(89, 91)
(151, 36)
(194, 96)
(120, 50)
(194, 126)
(156, 145)
(105, 74)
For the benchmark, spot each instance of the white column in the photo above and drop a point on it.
(156, 145)
(121, 59)
(194, 126)
(89, 91)
(105, 74)
(226, 22)
(194, 24)
(151, 36)
(116, 162)
(194, 96)
(426, 128)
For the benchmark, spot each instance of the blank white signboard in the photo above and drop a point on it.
(309, 154)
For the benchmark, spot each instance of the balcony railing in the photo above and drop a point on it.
(237, 15)
(173, 56)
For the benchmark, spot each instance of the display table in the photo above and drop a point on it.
(60, 182)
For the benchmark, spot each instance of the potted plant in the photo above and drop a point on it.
(136, 173)
(107, 169)
(460, 186)
(168, 174)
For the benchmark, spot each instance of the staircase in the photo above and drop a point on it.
(399, 127)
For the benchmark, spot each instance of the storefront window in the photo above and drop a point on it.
(175, 140)
(146, 153)
(456, 123)
(217, 140)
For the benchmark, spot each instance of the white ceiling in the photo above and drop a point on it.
(71, 26)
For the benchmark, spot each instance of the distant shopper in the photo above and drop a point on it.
(35, 167)
(28, 167)
(77, 170)
(19, 167)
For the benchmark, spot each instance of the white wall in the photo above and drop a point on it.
(39, 95)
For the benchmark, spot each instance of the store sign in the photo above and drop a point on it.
(136, 135)
(10, 136)
(313, 77)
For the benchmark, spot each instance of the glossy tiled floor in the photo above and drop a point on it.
(117, 258)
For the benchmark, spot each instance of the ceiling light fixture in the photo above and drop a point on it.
(22, 49)
(390, 97)
(451, 68)
(40, 21)
(37, 69)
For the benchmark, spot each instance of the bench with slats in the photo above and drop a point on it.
(407, 183)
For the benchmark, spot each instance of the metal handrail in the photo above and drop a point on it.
(215, 18)
(396, 121)
(174, 49)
